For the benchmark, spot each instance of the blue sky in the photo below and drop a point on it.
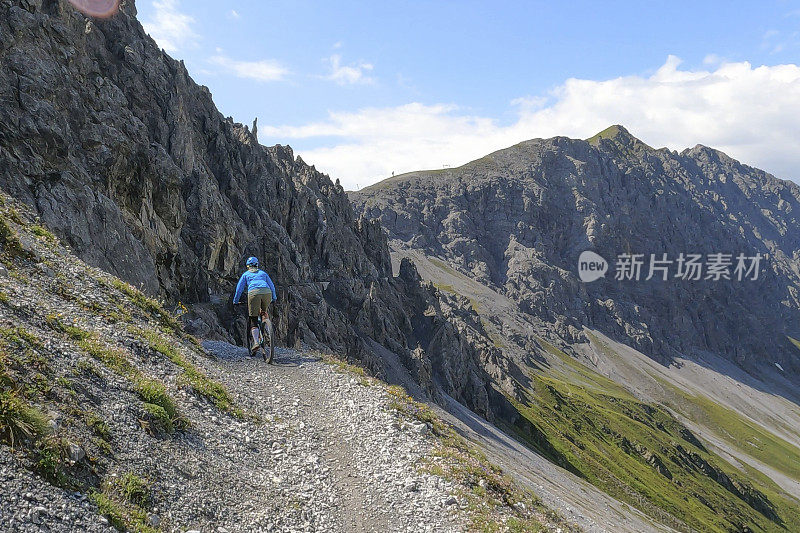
(362, 89)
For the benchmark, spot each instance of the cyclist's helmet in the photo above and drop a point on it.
(252, 261)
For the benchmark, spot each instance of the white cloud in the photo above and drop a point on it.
(262, 70)
(750, 113)
(171, 28)
(348, 74)
(233, 14)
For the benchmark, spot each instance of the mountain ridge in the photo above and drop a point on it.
(608, 134)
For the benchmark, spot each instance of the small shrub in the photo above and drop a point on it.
(98, 425)
(44, 233)
(157, 420)
(134, 489)
(9, 239)
(103, 445)
(154, 392)
(39, 385)
(50, 461)
(121, 514)
(73, 332)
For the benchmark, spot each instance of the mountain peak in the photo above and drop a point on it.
(615, 133)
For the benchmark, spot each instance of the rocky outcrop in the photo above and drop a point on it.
(518, 219)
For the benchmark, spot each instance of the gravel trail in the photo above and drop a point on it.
(337, 459)
(326, 454)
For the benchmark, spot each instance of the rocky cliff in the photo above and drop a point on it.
(518, 219)
(128, 160)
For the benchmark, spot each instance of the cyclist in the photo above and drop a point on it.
(260, 292)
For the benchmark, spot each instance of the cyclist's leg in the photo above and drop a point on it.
(253, 326)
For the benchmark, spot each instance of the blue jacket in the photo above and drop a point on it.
(254, 280)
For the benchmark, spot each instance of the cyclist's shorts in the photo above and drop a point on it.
(258, 299)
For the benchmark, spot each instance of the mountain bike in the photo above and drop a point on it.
(266, 336)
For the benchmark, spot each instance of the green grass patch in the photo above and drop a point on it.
(159, 405)
(640, 454)
(25, 425)
(155, 393)
(445, 287)
(112, 357)
(192, 375)
(736, 429)
(43, 233)
(124, 502)
(795, 342)
(20, 336)
(88, 367)
(20, 421)
(444, 266)
(575, 372)
(9, 239)
(343, 367)
(157, 420)
(98, 425)
(147, 304)
(73, 332)
(488, 327)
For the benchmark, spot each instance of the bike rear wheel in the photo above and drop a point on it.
(267, 340)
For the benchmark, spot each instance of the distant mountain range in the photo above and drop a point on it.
(518, 220)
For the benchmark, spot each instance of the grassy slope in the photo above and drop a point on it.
(744, 434)
(595, 428)
(747, 436)
(57, 355)
(641, 454)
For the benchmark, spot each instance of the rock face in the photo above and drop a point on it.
(519, 218)
(130, 163)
